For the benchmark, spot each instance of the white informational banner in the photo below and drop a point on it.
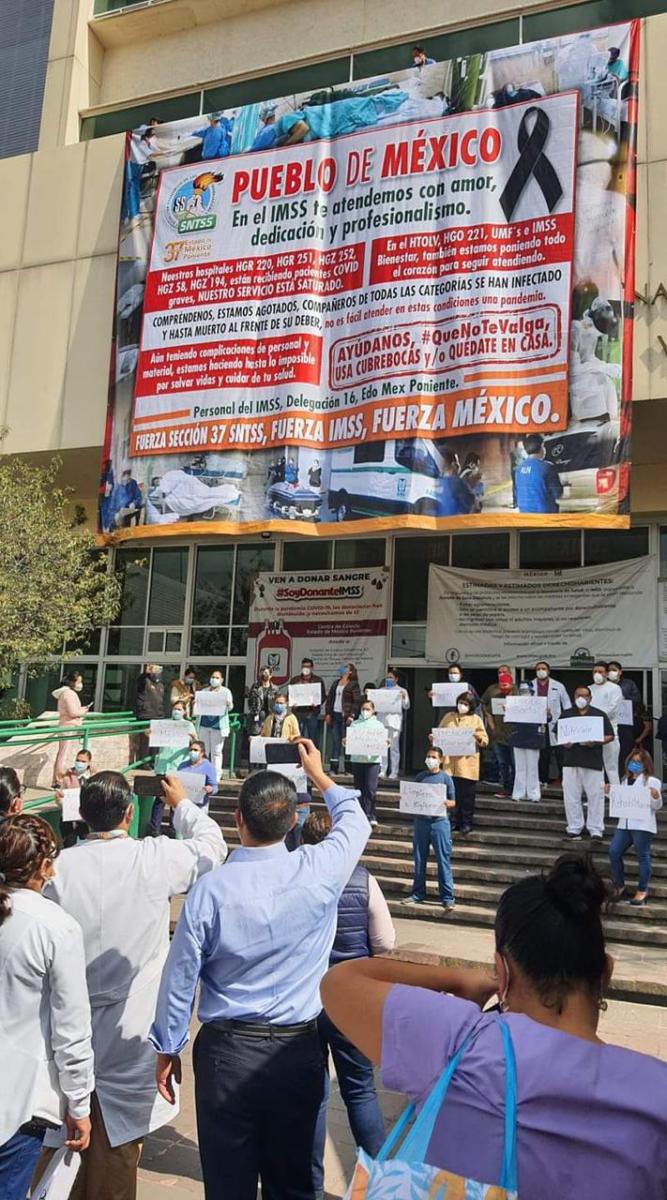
(194, 783)
(445, 694)
(580, 729)
(258, 749)
(305, 695)
(292, 771)
(526, 710)
(211, 703)
(566, 617)
(333, 617)
(633, 802)
(625, 713)
(365, 742)
(169, 733)
(423, 799)
(498, 705)
(455, 742)
(386, 700)
(69, 804)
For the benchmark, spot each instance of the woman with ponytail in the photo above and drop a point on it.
(591, 1118)
(45, 1047)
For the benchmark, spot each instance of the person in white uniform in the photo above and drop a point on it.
(583, 774)
(119, 889)
(45, 1036)
(393, 723)
(214, 727)
(608, 697)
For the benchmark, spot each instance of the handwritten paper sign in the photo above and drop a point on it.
(169, 733)
(70, 804)
(258, 749)
(633, 803)
(369, 743)
(445, 694)
(625, 713)
(580, 729)
(305, 695)
(194, 783)
(498, 705)
(211, 703)
(294, 772)
(455, 742)
(423, 799)
(526, 710)
(386, 700)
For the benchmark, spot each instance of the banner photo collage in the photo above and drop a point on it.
(403, 302)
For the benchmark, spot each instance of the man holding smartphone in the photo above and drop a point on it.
(257, 937)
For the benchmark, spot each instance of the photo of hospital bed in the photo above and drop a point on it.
(179, 495)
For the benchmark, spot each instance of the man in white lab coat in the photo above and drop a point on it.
(119, 889)
(608, 697)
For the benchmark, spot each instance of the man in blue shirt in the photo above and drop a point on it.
(538, 485)
(216, 137)
(436, 832)
(453, 495)
(267, 137)
(257, 939)
(198, 764)
(126, 501)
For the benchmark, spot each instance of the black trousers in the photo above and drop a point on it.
(464, 812)
(366, 777)
(545, 759)
(257, 1101)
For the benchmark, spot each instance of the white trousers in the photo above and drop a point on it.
(392, 754)
(214, 742)
(526, 774)
(610, 753)
(577, 782)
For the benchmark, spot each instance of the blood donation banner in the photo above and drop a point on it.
(333, 617)
(401, 302)
(570, 618)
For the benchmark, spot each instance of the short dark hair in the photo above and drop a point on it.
(435, 750)
(84, 754)
(542, 662)
(267, 803)
(533, 443)
(418, 50)
(392, 671)
(307, 662)
(72, 676)
(614, 663)
(200, 745)
(104, 800)
(467, 697)
(550, 925)
(315, 828)
(583, 687)
(599, 662)
(10, 788)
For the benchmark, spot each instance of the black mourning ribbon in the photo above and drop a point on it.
(532, 161)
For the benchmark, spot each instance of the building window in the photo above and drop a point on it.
(412, 559)
(614, 545)
(577, 17)
(174, 108)
(550, 549)
(408, 641)
(315, 555)
(24, 52)
(481, 551)
(458, 44)
(224, 578)
(359, 552)
(168, 581)
(42, 682)
(312, 78)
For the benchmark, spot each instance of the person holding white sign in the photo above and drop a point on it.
(628, 736)
(464, 768)
(308, 716)
(527, 741)
(283, 725)
(456, 678)
(214, 727)
(435, 832)
(197, 763)
(79, 772)
(583, 769)
(341, 708)
(637, 831)
(557, 701)
(608, 697)
(366, 767)
(494, 710)
(168, 759)
(393, 723)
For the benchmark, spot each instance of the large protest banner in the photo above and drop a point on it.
(367, 303)
(568, 617)
(333, 617)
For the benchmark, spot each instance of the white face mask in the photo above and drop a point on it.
(366, 714)
(463, 709)
(306, 671)
(614, 676)
(581, 701)
(455, 676)
(177, 715)
(542, 674)
(598, 677)
(432, 763)
(78, 686)
(215, 683)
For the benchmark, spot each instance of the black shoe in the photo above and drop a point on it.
(573, 837)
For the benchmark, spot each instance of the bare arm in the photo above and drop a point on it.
(354, 993)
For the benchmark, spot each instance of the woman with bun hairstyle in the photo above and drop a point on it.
(45, 1046)
(591, 1118)
(636, 831)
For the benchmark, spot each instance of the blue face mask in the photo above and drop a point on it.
(279, 709)
(635, 768)
(177, 715)
(389, 682)
(342, 670)
(80, 767)
(194, 755)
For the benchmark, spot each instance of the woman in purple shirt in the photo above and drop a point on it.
(592, 1118)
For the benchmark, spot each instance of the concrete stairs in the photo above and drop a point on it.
(510, 840)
